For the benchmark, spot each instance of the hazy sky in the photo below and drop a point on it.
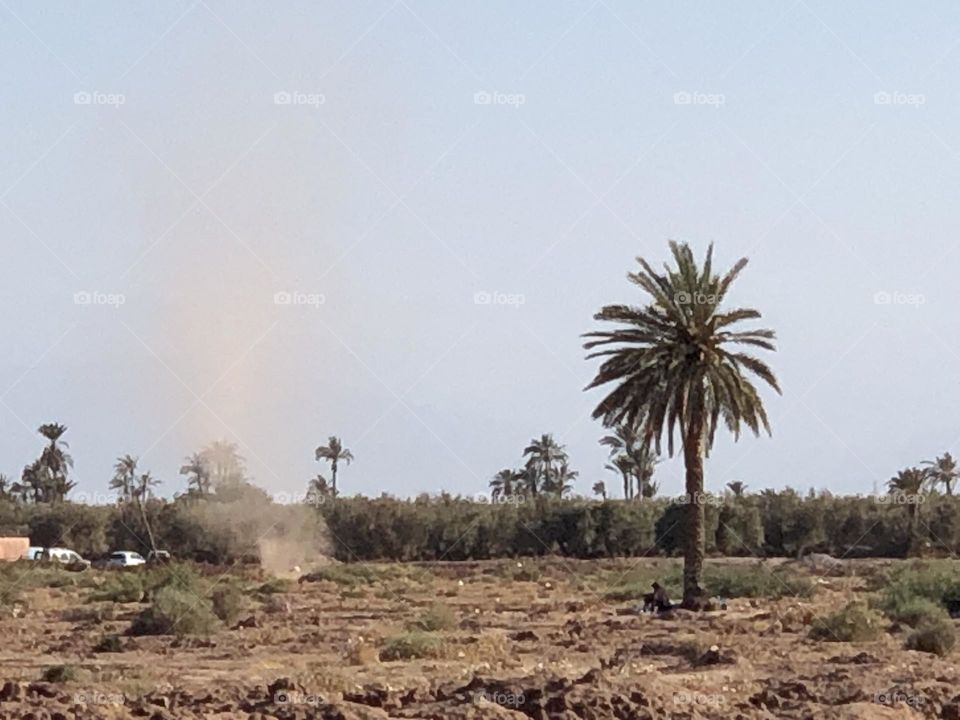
(170, 167)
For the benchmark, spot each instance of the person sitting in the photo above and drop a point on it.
(657, 601)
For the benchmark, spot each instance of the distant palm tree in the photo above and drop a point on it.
(124, 476)
(47, 477)
(943, 471)
(627, 439)
(907, 486)
(623, 464)
(737, 488)
(318, 491)
(198, 474)
(672, 368)
(224, 463)
(599, 488)
(543, 456)
(562, 481)
(333, 452)
(506, 483)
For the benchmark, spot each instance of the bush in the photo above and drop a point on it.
(912, 610)
(436, 617)
(108, 644)
(175, 611)
(60, 674)
(228, 602)
(411, 645)
(343, 575)
(853, 623)
(122, 587)
(275, 586)
(755, 581)
(934, 636)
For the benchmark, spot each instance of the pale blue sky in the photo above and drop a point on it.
(183, 188)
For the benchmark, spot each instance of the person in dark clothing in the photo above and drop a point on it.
(657, 601)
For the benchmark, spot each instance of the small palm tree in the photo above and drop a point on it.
(198, 474)
(627, 439)
(737, 488)
(506, 483)
(623, 464)
(599, 488)
(543, 456)
(906, 487)
(333, 452)
(943, 471)
(562, 481)
(318, 491)
(124, 476)
(673, 365)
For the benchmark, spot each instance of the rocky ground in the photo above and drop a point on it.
(539, 639)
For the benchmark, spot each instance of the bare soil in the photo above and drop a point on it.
(547, 646)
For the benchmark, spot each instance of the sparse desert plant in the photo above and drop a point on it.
(345, 574)
(228, 602)
(108, 644)
(60, 674)
(436, 617)
(754, 581)
(121, 587)
(912, 610)
(410, 646)
(275, 586)
(175, 611)
(935, 636)
(855, 622)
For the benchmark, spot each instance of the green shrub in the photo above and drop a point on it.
(436, 617)
(911, 610)
(934, 636)
(410, 646)
(60, 674)
(754, 581)
(175, 611)
(122, 587)
(935, 580)
(852, 623)
(228, 602)
(344, 575)
(275, 586)
(179, 575)
(108, 644)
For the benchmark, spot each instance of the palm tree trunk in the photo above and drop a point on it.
(333, 480)
(626, 486)
(146, 523)
(694, 519)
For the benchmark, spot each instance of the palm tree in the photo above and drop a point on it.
(542, 455)
(622, 464)
(55, 464)
(198, 474)
(124, 476)
(141, 492)
(673, 368)
(906, 487)
(224, 463)
(562, 481)
(505, 484)
(943, 471)
(318, 491)
(737, 488)
(627, 439)
(333, 452)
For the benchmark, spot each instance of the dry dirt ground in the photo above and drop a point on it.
(541, 640)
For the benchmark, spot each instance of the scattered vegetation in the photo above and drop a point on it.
(436, 617)
(855, 622)
(175, 611)
(935, 636)
(60, 674)
(756, 581)
(108, 644)
(122, 587)
(411, 646)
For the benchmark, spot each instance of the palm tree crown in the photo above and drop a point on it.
(544, 458)
(333, 452)
(943, 471)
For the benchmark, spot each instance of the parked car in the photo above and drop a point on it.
(125, 559)
(63, 555)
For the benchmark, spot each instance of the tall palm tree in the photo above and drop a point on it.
(55, 463)
(674, 368)
(333, 452)
(737, 487)
(506, 483)
(198, 474)
(906, 487)
(124, 476)
(943, 471)
(623, 464)
(543, 455)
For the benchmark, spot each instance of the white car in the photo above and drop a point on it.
(125, 559)
(64, 555)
